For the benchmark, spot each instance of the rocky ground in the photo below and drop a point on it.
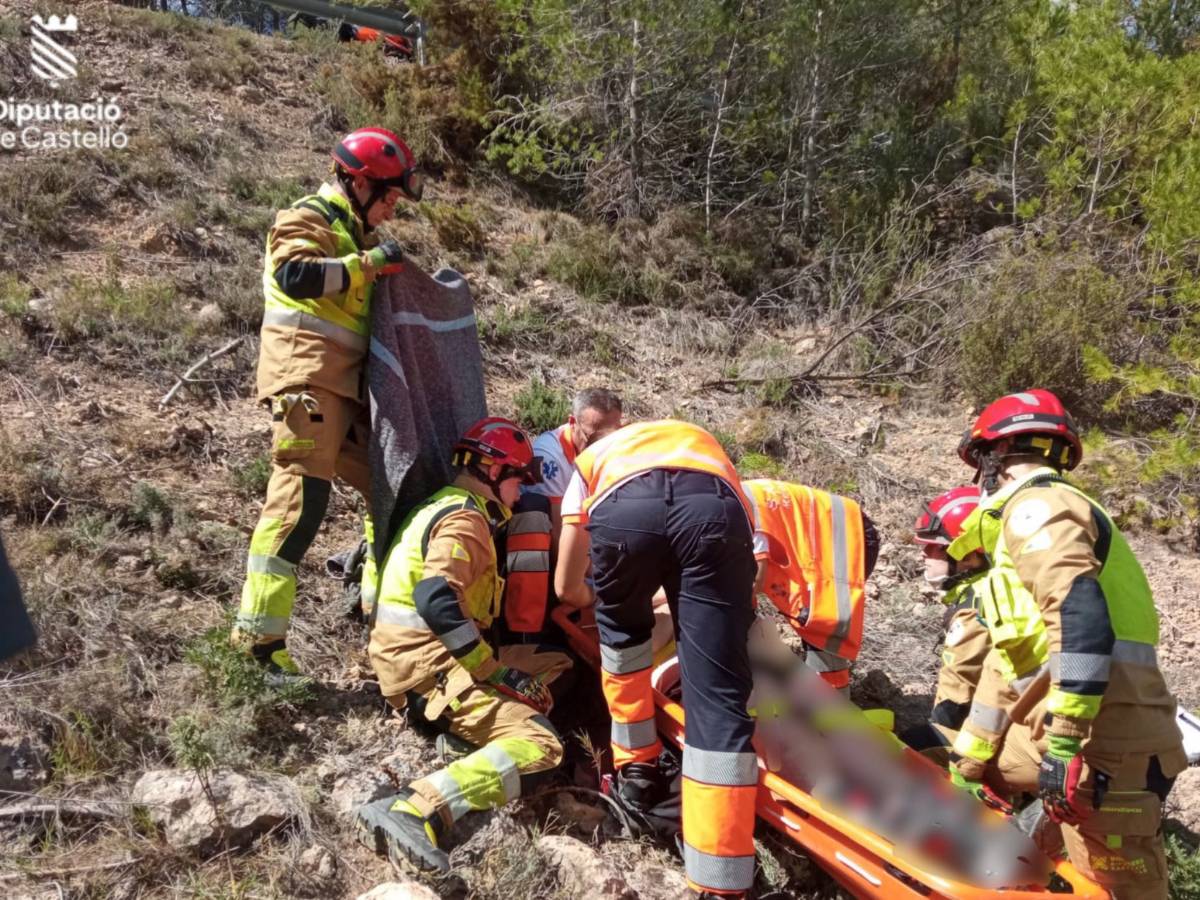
(140, 758)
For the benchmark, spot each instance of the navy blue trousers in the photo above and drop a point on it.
(688, 533)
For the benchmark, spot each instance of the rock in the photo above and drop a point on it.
(399, 890)
(655, 882)
(1183, 803)
(40, 305)
(314, 873)
(248, 93)
(582, 815)
(157, 239)
(24, 758)
(581, 871)
(248, 805)
(351, 791)
(210, 315)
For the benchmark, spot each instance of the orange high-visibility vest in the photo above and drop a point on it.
(527, 571)
(644, 446)
(817, 561)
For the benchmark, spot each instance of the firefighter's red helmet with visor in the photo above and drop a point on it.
(1036, 423)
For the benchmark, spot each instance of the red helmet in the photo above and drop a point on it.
(941, 519)
(497, 440)
(1037, 422)
(381, 156)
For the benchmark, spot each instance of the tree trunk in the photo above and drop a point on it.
(633, 102)
(810, 139)
(716, 134)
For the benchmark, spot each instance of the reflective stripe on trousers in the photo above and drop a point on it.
(719, 791)
(625, 679)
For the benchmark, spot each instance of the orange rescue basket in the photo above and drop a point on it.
(862, 862)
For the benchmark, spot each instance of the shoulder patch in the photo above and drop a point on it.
(955, 634)
(1028, 516)
(1040, 541)
(460, 552)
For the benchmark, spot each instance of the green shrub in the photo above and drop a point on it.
(1183, 866)
(14, 295)
(527, 324)
(1034, 319)
(233, 679)
(270, 192)
(229, 63)
(541, 408)
(457, 227)
(84, 747)
(44, 195)
(208, 740)
(251, 478)
(759, 465)
(150, 508)
(130, 325)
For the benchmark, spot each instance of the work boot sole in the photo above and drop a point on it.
(379, 831)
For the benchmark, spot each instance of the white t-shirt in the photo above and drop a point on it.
(556, 467)
(576, 491)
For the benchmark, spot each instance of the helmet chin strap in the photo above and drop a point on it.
(377, 193)
(481, 474)
(991, 465)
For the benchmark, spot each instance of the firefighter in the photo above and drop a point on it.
(438, 595)
(1072, 609)
(532, 534)
(659, 504)
(973, 677)
(814, 552)
(321, 261)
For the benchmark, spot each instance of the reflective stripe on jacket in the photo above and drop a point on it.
(405, 647)
(319, 341)
(816, 568)
(645, 446)
(1099, 613)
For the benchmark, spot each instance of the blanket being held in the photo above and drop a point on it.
(425, 387)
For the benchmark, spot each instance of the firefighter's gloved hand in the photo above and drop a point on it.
(1059, 779)
(978, 790)
(387, 254)
(521, 686)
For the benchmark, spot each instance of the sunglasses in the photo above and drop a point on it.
(529, 474)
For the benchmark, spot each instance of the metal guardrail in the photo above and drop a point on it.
(386, 20)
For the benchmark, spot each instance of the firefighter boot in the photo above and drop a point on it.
(281, 670)
(392, 825)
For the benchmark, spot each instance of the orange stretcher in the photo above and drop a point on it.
(862, 862)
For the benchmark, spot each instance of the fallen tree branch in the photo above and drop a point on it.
(34, 810)
(77, 870)
(197, 366)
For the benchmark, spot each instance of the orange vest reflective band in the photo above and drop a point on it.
(817, 561)
(644, 446)
(527, 584)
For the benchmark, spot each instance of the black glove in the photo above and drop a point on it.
(389, 253)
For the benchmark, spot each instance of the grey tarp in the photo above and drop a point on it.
(425, 386)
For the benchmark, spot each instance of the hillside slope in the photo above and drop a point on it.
(127, 520)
